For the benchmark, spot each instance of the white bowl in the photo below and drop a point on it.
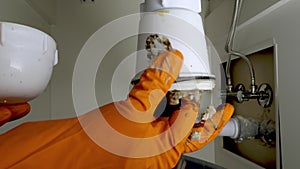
(27, 57)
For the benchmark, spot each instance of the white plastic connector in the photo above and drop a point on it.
(55, 58)
(153, 5)
(2, 34)
(231, 129)
(195, 136)
(193, 5)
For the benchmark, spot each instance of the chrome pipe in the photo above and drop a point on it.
(230, 51)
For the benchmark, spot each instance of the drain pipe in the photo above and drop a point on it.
(240, 128)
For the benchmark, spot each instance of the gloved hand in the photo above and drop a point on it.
(134, 118)
(119, 135)
(13, 112)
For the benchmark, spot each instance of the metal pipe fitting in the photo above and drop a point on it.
(230, 51)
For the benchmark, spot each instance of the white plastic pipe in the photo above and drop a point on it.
(181, 23)
(231, 129)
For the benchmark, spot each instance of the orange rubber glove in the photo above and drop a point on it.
(120, 135)
(13, 112)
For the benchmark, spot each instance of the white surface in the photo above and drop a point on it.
(45, 8)
(27, 57)
(74, 27)
(22, 13)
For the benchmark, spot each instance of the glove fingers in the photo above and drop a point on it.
(182, 120)
(13, 112)
(152, 87)
(211, 128)
(19, 110)
(169, 62)
(5, 115)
